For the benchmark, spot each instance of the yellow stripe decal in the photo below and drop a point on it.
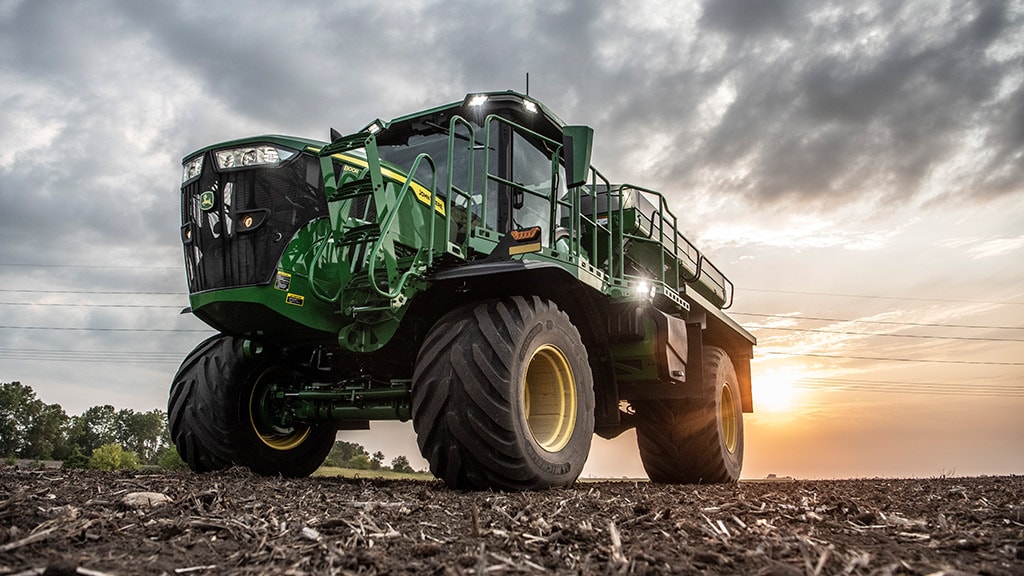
(422, 194)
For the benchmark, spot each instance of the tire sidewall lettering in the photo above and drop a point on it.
(544, 331)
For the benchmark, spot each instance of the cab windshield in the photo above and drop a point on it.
(513, 190)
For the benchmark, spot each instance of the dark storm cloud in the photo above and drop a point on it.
(819, 103)
(86, 183)
(744, 18)
(865, 105)
(303, 67)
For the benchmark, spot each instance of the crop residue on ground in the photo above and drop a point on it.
(87, 522)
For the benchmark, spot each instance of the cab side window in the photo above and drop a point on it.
(532, 171)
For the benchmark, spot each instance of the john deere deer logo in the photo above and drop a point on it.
(206, 200)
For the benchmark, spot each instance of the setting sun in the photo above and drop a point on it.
(776, 390)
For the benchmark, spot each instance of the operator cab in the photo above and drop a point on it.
(499, 155)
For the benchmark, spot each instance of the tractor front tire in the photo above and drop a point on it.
(217, 414)
(503, 397)
(695, 441)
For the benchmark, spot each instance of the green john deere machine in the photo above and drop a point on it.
(464, 267)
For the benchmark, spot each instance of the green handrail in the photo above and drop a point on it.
(327, 168)
(389, 221)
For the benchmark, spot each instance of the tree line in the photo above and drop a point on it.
(107, 438)
(352, 455)
(33, 430)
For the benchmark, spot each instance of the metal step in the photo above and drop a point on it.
(360, 235)
(346, 143)
(352, 189)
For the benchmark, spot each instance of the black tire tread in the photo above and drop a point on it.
(195, 423)
(680, 441)
(208, 418)
(460, 395)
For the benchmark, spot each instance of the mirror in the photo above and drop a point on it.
(577, 144)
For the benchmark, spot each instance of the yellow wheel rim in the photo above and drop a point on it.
(549, 398)
(272, 435)
(730, 421)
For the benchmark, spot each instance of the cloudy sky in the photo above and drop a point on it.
(855, 167)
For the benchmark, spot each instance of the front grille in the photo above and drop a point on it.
(219, 251)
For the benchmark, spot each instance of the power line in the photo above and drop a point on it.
(89, 356)
(764, 290)
(61, 304)
(87, 352)
(110, 360)
(117, 292)
(89, 266)
(874, 297)
(818, 331)
(886, 322)
(888, 386)
(918, 383)
(877, 359)
(103, 329)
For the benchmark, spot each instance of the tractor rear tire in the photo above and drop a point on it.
(695, 441)
(503, 397)
(216, 422)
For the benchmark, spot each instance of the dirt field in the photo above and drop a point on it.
(76, 522)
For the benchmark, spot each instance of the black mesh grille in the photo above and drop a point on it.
(219, 252)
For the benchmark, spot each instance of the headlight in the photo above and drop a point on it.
(191, 169)
(646, 290)
(248, 156)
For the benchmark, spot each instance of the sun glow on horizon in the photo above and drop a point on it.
(776, 390)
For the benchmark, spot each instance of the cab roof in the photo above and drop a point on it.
(519, 108)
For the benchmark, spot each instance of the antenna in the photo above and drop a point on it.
(527, 83)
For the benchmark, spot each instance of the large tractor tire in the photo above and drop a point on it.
(219, 414)
(503, 397)
(695, 441)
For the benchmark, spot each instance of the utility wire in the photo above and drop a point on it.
(915, 384)
(913, 391)
(778, 316)
(886, 322)
(117, 292)
(816, 331)
(86, 352)
(877, 359)
(873, 297)
(207, 331)
(61, 304)
(89, 356)
(89, 266)
(886, 386)
(109, 360)
(765, 290)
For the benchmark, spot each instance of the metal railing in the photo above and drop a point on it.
(625, 232)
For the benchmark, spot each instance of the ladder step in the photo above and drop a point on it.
(360, 234)
(352, 189)
(346, 143)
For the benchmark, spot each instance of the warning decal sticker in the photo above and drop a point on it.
(283, 281)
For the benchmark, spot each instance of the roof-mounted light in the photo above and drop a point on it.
(374, 127)
(529, 106)
(478, 100)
